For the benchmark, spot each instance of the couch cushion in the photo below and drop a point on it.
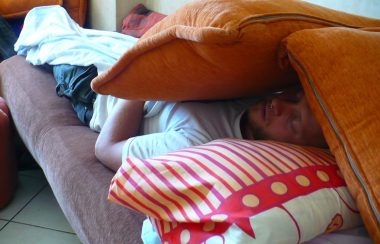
(216, 49)
(339, 69)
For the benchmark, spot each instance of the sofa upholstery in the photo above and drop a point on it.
(64, 149)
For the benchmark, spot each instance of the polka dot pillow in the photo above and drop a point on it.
(238, 191)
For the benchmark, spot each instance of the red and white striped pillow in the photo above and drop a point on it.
(238, 191)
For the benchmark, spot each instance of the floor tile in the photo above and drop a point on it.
(2, 223)
(27, 188)
(15, 233)
(44, 211)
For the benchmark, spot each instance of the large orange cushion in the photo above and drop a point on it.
(339, 69)
(216, 49)
(77, 9)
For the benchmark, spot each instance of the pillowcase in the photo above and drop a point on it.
(238, 191)
(140, 20)
(216, 49)
(339, 69)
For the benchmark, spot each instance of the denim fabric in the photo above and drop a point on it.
(149, 234)
(7, 40)
(16, 25)
(73, 82)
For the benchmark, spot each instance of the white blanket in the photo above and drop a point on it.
(50, 36)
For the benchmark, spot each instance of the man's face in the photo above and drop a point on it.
(286, 117)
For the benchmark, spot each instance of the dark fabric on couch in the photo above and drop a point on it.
(7, 40)
(73, 82)
(64, 149)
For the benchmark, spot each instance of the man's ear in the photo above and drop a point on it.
(246, 127)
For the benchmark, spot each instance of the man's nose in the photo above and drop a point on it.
(279, 107)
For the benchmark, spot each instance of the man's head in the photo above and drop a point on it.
(283, 117)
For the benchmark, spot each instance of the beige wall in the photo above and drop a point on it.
(370, 8)
(108, 14)
(102, 14)
(165, 6)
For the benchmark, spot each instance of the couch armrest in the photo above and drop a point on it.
(77, 10)
(15, 9)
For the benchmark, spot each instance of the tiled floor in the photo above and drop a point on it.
(34, 216)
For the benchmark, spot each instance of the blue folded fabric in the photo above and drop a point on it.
(7, 40)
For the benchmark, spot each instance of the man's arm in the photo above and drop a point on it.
(122, 124)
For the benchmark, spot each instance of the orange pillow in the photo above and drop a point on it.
(216, 49)
(339, 69)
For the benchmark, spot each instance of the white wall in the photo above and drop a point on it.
(109, 14)
(165, 6)
(369, 8)
(102, 14)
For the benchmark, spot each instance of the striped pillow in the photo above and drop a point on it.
(238, 191)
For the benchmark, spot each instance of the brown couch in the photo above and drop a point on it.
(64, 149)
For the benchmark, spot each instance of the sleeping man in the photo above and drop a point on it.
(284, 116)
